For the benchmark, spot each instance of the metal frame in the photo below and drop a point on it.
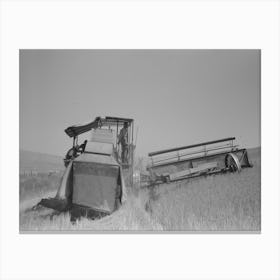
(184, 156)
(75, 130)
(191, 146)
(203, 154)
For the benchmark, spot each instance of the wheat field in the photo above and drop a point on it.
(222, 202)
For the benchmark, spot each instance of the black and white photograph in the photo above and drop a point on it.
(139, 139)
(142, 140)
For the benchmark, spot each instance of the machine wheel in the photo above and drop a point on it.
(232, 162)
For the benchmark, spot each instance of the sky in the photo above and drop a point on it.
(176, 97)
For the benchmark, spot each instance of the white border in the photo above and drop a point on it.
(155, 24)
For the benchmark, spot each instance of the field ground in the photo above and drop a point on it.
(224, 202)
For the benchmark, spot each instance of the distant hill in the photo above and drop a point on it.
(254, 151)
(39, 162)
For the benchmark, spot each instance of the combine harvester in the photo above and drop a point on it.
(94, 180)
(206, 158)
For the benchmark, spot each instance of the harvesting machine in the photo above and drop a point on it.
(96, 171)
(207, 158)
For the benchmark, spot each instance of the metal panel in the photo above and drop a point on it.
(95, 158)
(190, 171)
(103, 136)
(95, 186)
(99, 148)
